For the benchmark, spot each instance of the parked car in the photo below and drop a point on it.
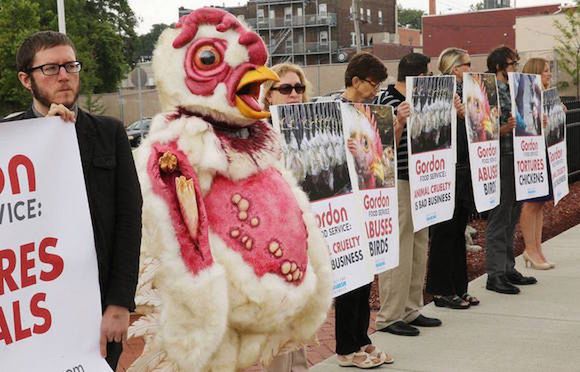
(138, 130)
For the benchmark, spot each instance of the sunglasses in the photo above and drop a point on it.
(468, 64)
(287, 89)
(514, 63)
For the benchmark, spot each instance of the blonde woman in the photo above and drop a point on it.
(532, 216)
(447, 264)
(292, 88)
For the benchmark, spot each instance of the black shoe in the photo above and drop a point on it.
(401, 328)
(517, 278)
(423, 321)
(500, 284)
(452, 302)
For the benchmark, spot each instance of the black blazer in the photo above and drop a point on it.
(115, 203)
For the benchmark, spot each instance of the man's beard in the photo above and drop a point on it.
(44, 100)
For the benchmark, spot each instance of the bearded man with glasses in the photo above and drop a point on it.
(49, 70)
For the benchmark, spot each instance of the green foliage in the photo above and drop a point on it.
(410, 17)
(103, 32)
(93, 104)
(477, 6)
(146, 43)
(568, 47)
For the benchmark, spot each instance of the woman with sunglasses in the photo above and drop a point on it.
(292, 88)
(447, 266)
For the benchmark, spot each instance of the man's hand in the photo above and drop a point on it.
(113, 326)
(507, 127)
(62, 111)
(403, 112)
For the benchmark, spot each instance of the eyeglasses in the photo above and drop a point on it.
(51, 69)
(286, 89)
(372, 83)
(513, 63)
(468, 64)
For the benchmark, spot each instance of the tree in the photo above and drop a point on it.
(568, 47)
(477, 6)
(18, 19)
(146, 43)
(103, 32)
(410, 17)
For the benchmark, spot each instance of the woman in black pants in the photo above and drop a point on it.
(447, 267)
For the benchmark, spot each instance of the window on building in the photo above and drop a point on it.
(350, 11)
(380, 17)
(288, 14)
(323, 37)
(368, 15)
(352, 39)
(322, 10)
(260, 13)
(288, 44)
(362, 39)
(299, 12)
(362, 14)
(272, 15)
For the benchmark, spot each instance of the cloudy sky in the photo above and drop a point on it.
(165, 11)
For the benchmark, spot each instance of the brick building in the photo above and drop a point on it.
(478, 32)
(310, 32)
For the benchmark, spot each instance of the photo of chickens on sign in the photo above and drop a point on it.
(556, 142)
(530, 163)
(372, 160)
(314, 148)
(480, 96)
(431, 140)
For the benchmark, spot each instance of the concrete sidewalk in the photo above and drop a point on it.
(537, 330)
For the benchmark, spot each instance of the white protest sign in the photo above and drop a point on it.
(555, 134)
(481, 100)
(430, 142)
(372, 163)
(314, 150)
(50, 310)
(531, 175)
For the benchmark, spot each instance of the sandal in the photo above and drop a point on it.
(375, 352)
(452, 302)
(350, 361)
(473, 301)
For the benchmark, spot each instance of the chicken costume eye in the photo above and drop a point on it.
(207, 57)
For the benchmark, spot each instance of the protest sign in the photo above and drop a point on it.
(314, 150)
(555, 134)
(50, 308)
(530, 166)
(431, 133)
(480, 97)
(371, 157)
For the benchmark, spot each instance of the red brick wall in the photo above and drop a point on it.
(478, 32)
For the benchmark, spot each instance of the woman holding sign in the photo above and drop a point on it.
(532, 215)
(447, 267)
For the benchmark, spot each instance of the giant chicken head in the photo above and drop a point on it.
(211, 64)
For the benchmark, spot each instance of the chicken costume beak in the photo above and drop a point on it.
(248, 92)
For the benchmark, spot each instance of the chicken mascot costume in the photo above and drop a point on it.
(233, 267)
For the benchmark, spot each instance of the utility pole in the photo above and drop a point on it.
(355, 19)
(61, 18)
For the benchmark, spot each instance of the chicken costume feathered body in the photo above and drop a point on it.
(233, 269)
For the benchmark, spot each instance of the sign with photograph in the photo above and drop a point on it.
(480, 97)
(555, 134)
(530, 166)
(50, 306)
(371, 157)
(431, 133)
(313, 146)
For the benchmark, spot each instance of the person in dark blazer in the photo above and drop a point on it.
(47, 67)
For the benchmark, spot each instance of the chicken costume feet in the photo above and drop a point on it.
(233, 269)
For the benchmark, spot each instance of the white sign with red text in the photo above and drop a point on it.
(430, 142)
(371, 156)
(555, 134)
(50, 308)
(480, 97)
(530, 164)
(313, 145)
